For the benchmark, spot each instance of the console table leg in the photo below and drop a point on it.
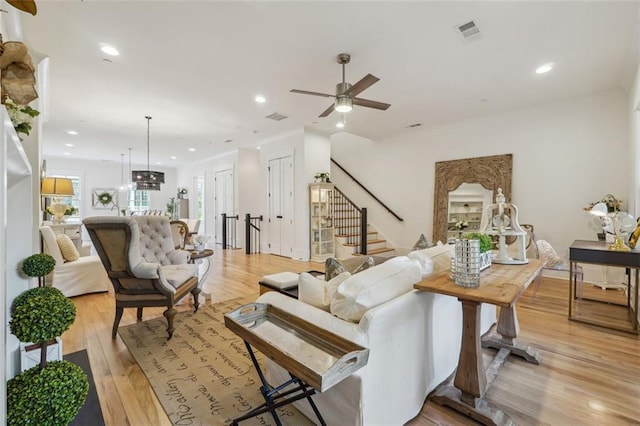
(508, 329)
(470, 377)
(470, 381)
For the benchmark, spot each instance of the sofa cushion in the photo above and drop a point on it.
(375, 286)
(435, 259)
(318, 292)
(67, 248)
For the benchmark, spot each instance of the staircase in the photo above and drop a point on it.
(347, 220)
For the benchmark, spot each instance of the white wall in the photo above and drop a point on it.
(311, 154)
(248, 172)
(107, 174)
(565, 155)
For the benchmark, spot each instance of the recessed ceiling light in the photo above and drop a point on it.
(260, 99)
(173, 157)
(109, 50)
(72, 132)
(70, 145)
(159, 163)
(192, 149)
(258, 147)
(544, 68)
(339, 124)
(67, 153)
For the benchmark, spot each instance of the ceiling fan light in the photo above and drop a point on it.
(343, 104)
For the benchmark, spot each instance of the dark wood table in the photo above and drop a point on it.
(500, 285)
(597, 252)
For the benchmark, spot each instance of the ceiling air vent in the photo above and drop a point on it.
(276, 116)
(468, 31)
(411, 126)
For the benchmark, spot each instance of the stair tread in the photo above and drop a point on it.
(376, 251)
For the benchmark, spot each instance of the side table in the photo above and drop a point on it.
(597, 252)
(500, 285)
(200, 257)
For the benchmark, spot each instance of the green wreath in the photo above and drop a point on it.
(105, 198)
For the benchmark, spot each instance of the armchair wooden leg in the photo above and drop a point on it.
(170, 313)
(140, 313)
(196, 292)
(116, 321)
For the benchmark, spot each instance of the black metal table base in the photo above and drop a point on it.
(274, 398)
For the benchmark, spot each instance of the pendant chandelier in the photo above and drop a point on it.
(147, 180)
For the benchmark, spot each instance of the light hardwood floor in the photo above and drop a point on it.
(588, 375)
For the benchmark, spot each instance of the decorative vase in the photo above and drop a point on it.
(466, 268)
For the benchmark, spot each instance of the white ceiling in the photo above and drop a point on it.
(195, 67)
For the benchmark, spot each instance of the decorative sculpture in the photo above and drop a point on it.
(501, 219)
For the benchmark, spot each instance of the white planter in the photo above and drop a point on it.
(31, 358)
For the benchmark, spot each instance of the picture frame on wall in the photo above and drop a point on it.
(104, 198)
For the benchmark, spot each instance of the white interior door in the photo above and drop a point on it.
(281, 206)
(275, 206)
(223, 199)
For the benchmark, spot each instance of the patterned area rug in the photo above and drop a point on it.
(203, 375)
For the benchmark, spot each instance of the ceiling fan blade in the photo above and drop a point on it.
(364, 83)
(327, 111)
(370, 104)
(306, 92)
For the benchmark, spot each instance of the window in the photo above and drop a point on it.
(138, 201)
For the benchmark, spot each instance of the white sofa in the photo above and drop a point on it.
(82, 276)
(414, 343)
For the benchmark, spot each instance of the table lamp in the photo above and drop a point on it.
(57, 188)
(617, 223)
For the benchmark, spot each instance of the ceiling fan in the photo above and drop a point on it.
(346, 93)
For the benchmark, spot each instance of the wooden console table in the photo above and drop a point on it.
(500, 285)
(597, 252)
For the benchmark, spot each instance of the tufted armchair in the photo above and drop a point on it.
(141, 261)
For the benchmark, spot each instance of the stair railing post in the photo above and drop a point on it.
(363, 230)
(224, 231)
(247, 233)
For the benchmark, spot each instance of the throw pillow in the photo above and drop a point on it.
(422, 243)
(333, 268)
(67, 248)
(375, 286)
(316, 292)
(434, 259)
(353, 265)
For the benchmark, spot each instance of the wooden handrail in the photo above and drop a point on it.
(367, 191)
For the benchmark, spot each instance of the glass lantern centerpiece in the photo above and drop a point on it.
(501, 219)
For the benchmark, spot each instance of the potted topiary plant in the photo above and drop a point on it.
(38, 265)
(49, 393)
(485, 247)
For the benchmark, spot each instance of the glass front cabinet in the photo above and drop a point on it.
(321, 221)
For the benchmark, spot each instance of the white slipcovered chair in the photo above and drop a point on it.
(76, 277)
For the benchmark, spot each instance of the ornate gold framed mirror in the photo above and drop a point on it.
(492, 172)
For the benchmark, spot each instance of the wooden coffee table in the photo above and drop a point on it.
(500, 285)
